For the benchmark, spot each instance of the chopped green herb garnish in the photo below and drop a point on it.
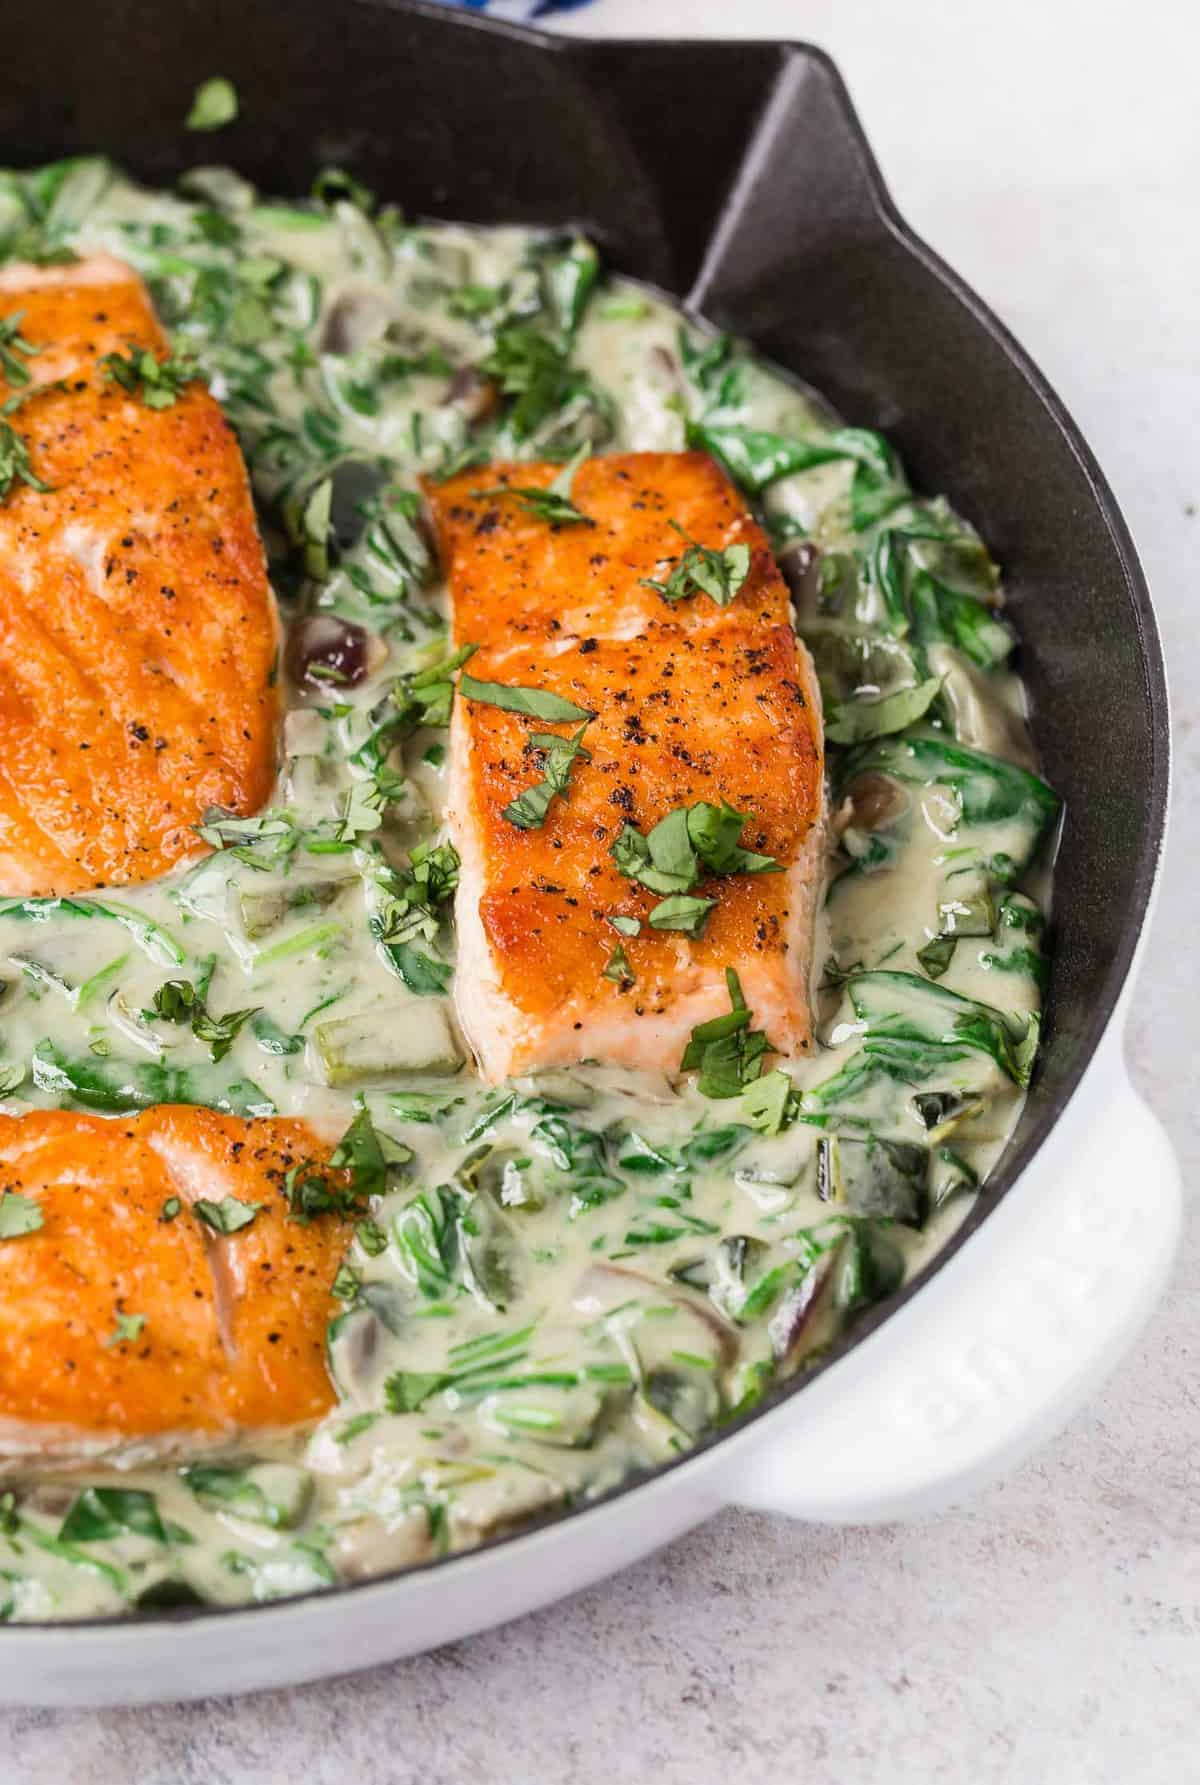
(368, 1153)
(366, 802)
(129, 1327)
(267, 841)
(219, 1032)
(214, 104)
(725, 1052)
(682, 911)
(531, 369)
(346, 1284)
(686, 844)
(177, 1001)
(617, 968)
(157, 383)
(625, 926)
(704, 571)
(370, 1158)
(713, 832)
(769, 1102)
(464, 458)
(558, 757)
(551, 503)
(428, 882)
(12, 343)
(18, 1215)
(535, 703)
(15, 463)
(408, 911)
(371, 1238)
(227, 1216)
(334, 184)
(423, 698)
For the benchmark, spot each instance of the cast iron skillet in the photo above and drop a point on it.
(735, 176)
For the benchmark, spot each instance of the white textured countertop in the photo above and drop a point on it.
(1049, 1633)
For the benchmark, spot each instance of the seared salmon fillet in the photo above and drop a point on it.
(693, 702)
(223, 1332)
(587, 581)
(138, 633)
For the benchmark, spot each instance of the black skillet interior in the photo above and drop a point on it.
(735, 174)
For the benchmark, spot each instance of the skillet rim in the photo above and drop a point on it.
(885, 215)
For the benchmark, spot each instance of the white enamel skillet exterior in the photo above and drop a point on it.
(993, 1355)
(1011, 1330)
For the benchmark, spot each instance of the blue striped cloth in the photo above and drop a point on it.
(518, 9)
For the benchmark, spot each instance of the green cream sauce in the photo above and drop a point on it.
(574, 1277)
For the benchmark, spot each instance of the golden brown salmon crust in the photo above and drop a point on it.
(137, 629)
(692, 702)
(232, 1333)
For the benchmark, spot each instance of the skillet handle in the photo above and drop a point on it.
(1000, 1348)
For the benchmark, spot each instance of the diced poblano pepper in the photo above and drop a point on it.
(262, 908)
(416, 1037)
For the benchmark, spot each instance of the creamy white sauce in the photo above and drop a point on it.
(596, 1275)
